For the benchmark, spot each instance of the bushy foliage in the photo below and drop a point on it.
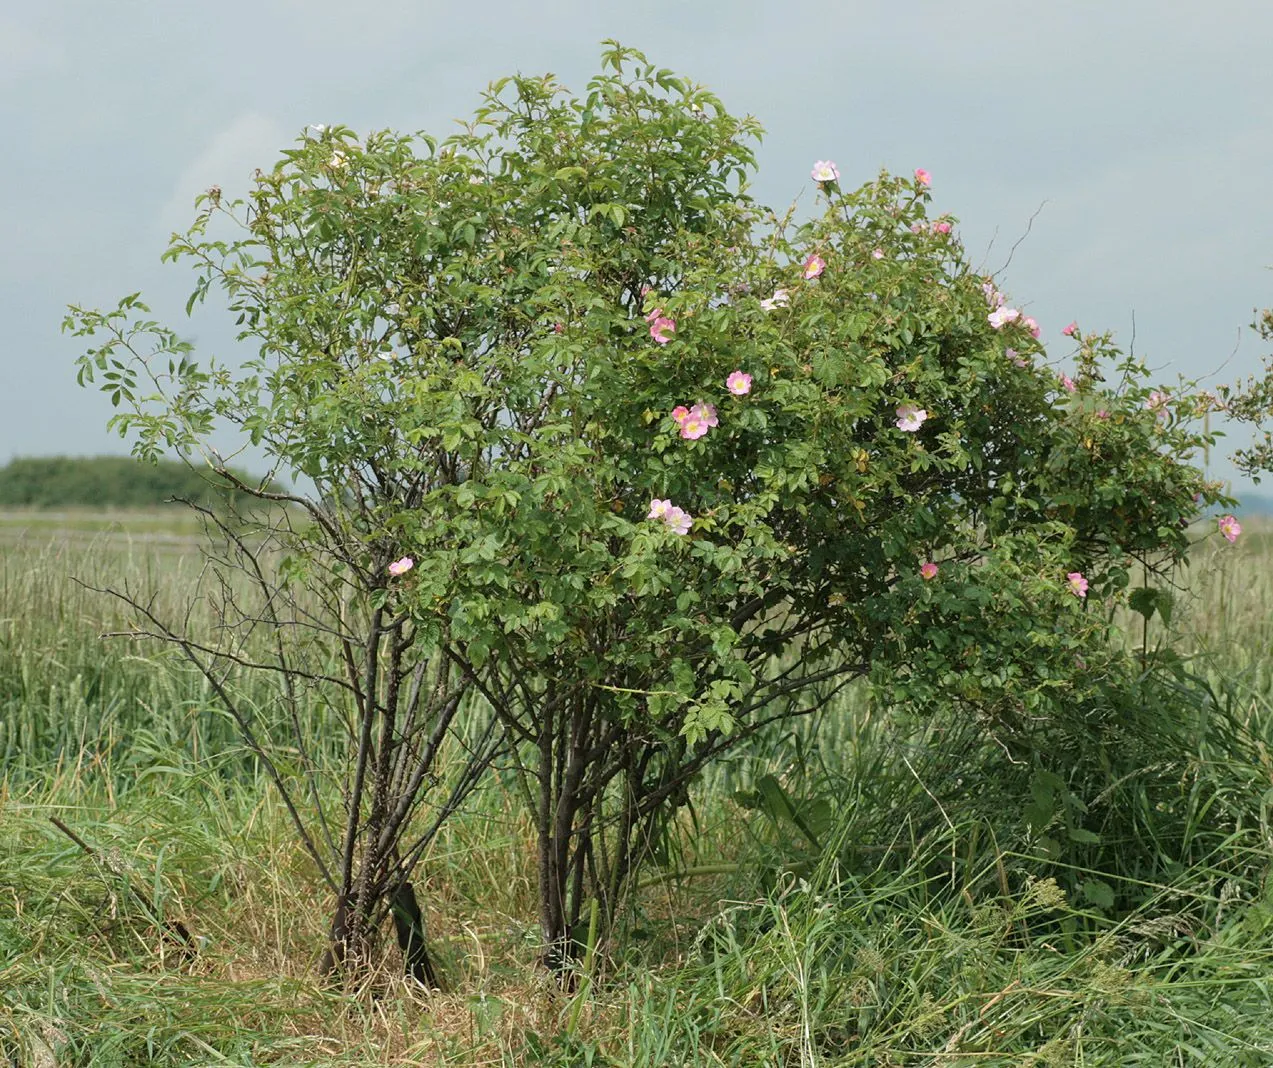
(1251, 402)
(653, 466)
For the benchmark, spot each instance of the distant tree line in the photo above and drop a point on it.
(107, 482)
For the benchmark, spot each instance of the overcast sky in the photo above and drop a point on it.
(1141, 128)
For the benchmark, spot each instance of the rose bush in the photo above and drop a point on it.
(656, 466)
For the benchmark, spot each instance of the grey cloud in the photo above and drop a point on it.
(26, 52)
(227, 159)
(1142, 125)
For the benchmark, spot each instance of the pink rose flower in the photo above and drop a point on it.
(1032, 326)
(1071, 330)
(941, 226)
(1230, 528)
(1000, 317)
(1077, 583)
(1067, 383)
(738, 384)
(910, 418)
(662, 329)
(678, 520)
(923, 177)
(928, 570)
(401, 567)
(814, 266)
(825, 171)
(680, 413)
(877, 254)
(694, 427)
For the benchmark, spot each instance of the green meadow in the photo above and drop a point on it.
(863, 889)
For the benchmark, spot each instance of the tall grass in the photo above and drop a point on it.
(858, 890)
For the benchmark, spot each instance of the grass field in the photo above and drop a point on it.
(917, 922)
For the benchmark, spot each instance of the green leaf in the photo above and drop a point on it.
(1050, 847)
(1143, 600)
(774, 799)
(1099, 893)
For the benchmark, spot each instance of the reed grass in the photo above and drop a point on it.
(909, 921)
